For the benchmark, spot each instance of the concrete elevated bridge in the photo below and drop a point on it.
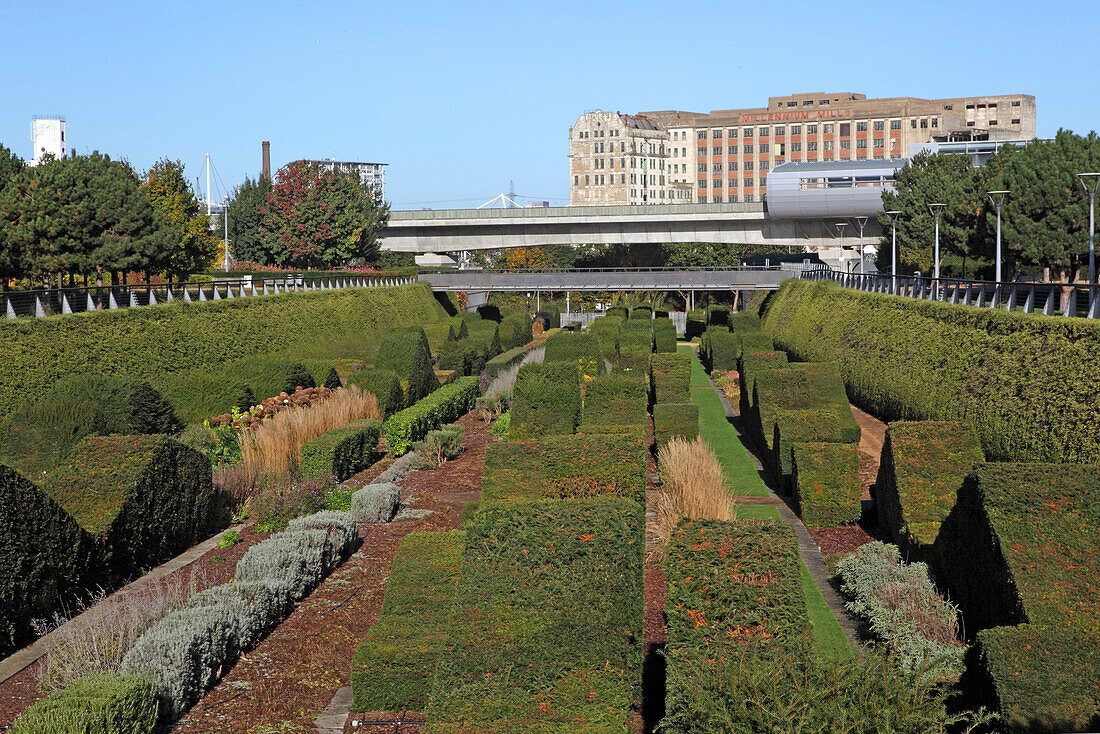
(457, 230)
(745, 278)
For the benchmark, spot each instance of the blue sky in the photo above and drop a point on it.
(460, 97)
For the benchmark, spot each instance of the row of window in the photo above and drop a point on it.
(717, 199)
(811, 128)
(597, 133)
(749, 183)
(600, 179)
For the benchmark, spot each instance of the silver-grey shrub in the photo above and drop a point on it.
(340, 525)
(903, 609)
(298, 558)
(183, 652)
(376, 503)
(397, 469)
(254, 608)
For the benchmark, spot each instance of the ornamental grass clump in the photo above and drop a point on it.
(275, 448)
(692, 487)
(900, 604)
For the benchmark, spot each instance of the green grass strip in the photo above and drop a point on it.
(758, 512)
(829, 639)
(738, 468)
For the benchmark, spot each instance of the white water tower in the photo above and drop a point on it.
(48, 133)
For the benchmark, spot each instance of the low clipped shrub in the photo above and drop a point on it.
(445, 405)
(606, 331)
(1021, 544)
(299, 557)
(825, 483)
(405, 352)
(900, 605)
(376, 503)
(615, 400)
(635, 345)
(670, 376)
(384, 385)
(104, 703)
(393, 665)
(582, 465)
(440, 445)
(44, 556)
(142, 499)
(1039, 678)
(546, 400)
(343, 452)
(923, 465)
(675, 420)
(552, 593)
(664, 335)
(505, 360)
(719, 349)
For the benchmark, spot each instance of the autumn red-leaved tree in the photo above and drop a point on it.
(314, 218)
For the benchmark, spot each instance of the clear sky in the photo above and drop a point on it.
(461, 97)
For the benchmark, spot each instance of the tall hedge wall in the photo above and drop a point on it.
(1025, 382)
(923, 465)
(155, 341)
(43, 556)
(825, 483)
(615, 400)
(670, 378)
(546, 400)
(1021, 546)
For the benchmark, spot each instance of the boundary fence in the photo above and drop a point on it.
(1052, 299)
(44, 302)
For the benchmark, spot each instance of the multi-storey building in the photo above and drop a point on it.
(371, 175)
(725, 155)
(617, 159)
(48, 136)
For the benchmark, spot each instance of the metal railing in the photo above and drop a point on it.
(44, 302)
(540, 212)
(613, 279)
(1052, 299)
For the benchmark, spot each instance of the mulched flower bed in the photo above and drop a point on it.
(216, 566)
(291, 676)
(840, 541)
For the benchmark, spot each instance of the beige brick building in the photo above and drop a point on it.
(725, 155)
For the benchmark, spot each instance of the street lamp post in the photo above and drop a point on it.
(861, 222)
(894, 214)
(1094, 179)
(227, 233)
(936, 210)
(998, 199)
(840, 228)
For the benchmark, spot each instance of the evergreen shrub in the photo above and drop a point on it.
(825, 483)
(580, 349)
(664, 336)
(405, 351)
(635, 345)
(606, 331)
(719, 349)
(546, 400)
(642, 312)
(384, 385)
(445, 405)
(615, 400)
(343, 452)
(104, 703)
(671, 378)
(675, 420)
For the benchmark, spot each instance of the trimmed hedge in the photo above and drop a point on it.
(752, 364)
(43, 557)
(796, 386)
(515, 331)
(545, 632)
(696, 324)
(664, 336)
(923, 465)
(101, 703)
(546, 400)
(826, 424)
(620, 312)
(158, 343)
(635, 345)
(405, 351)
(384, 385)
(670, 376)
(642, 312)
(583, 465)
(755, 609)
(343, 452)
(393, 665)
(1016, 378)
(143, 499)
(445, 405)
(615, 400)
(1021, 545)
(674, 420)
(719, 349)
(754, 341)
(718, 315)
(580, 349)
(40, 434)
(825, 483)
(745, 322)
(504, 360)
(606, 331)
(1042, 679)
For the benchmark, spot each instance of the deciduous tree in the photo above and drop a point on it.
(185, 244)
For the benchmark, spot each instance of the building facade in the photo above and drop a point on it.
(725, 155)
(371, 175)
(48, 138)
(617, 159)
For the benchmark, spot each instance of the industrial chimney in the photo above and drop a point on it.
(265, 169)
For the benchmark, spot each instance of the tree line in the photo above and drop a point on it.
(1044, 219)
(92, 218)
